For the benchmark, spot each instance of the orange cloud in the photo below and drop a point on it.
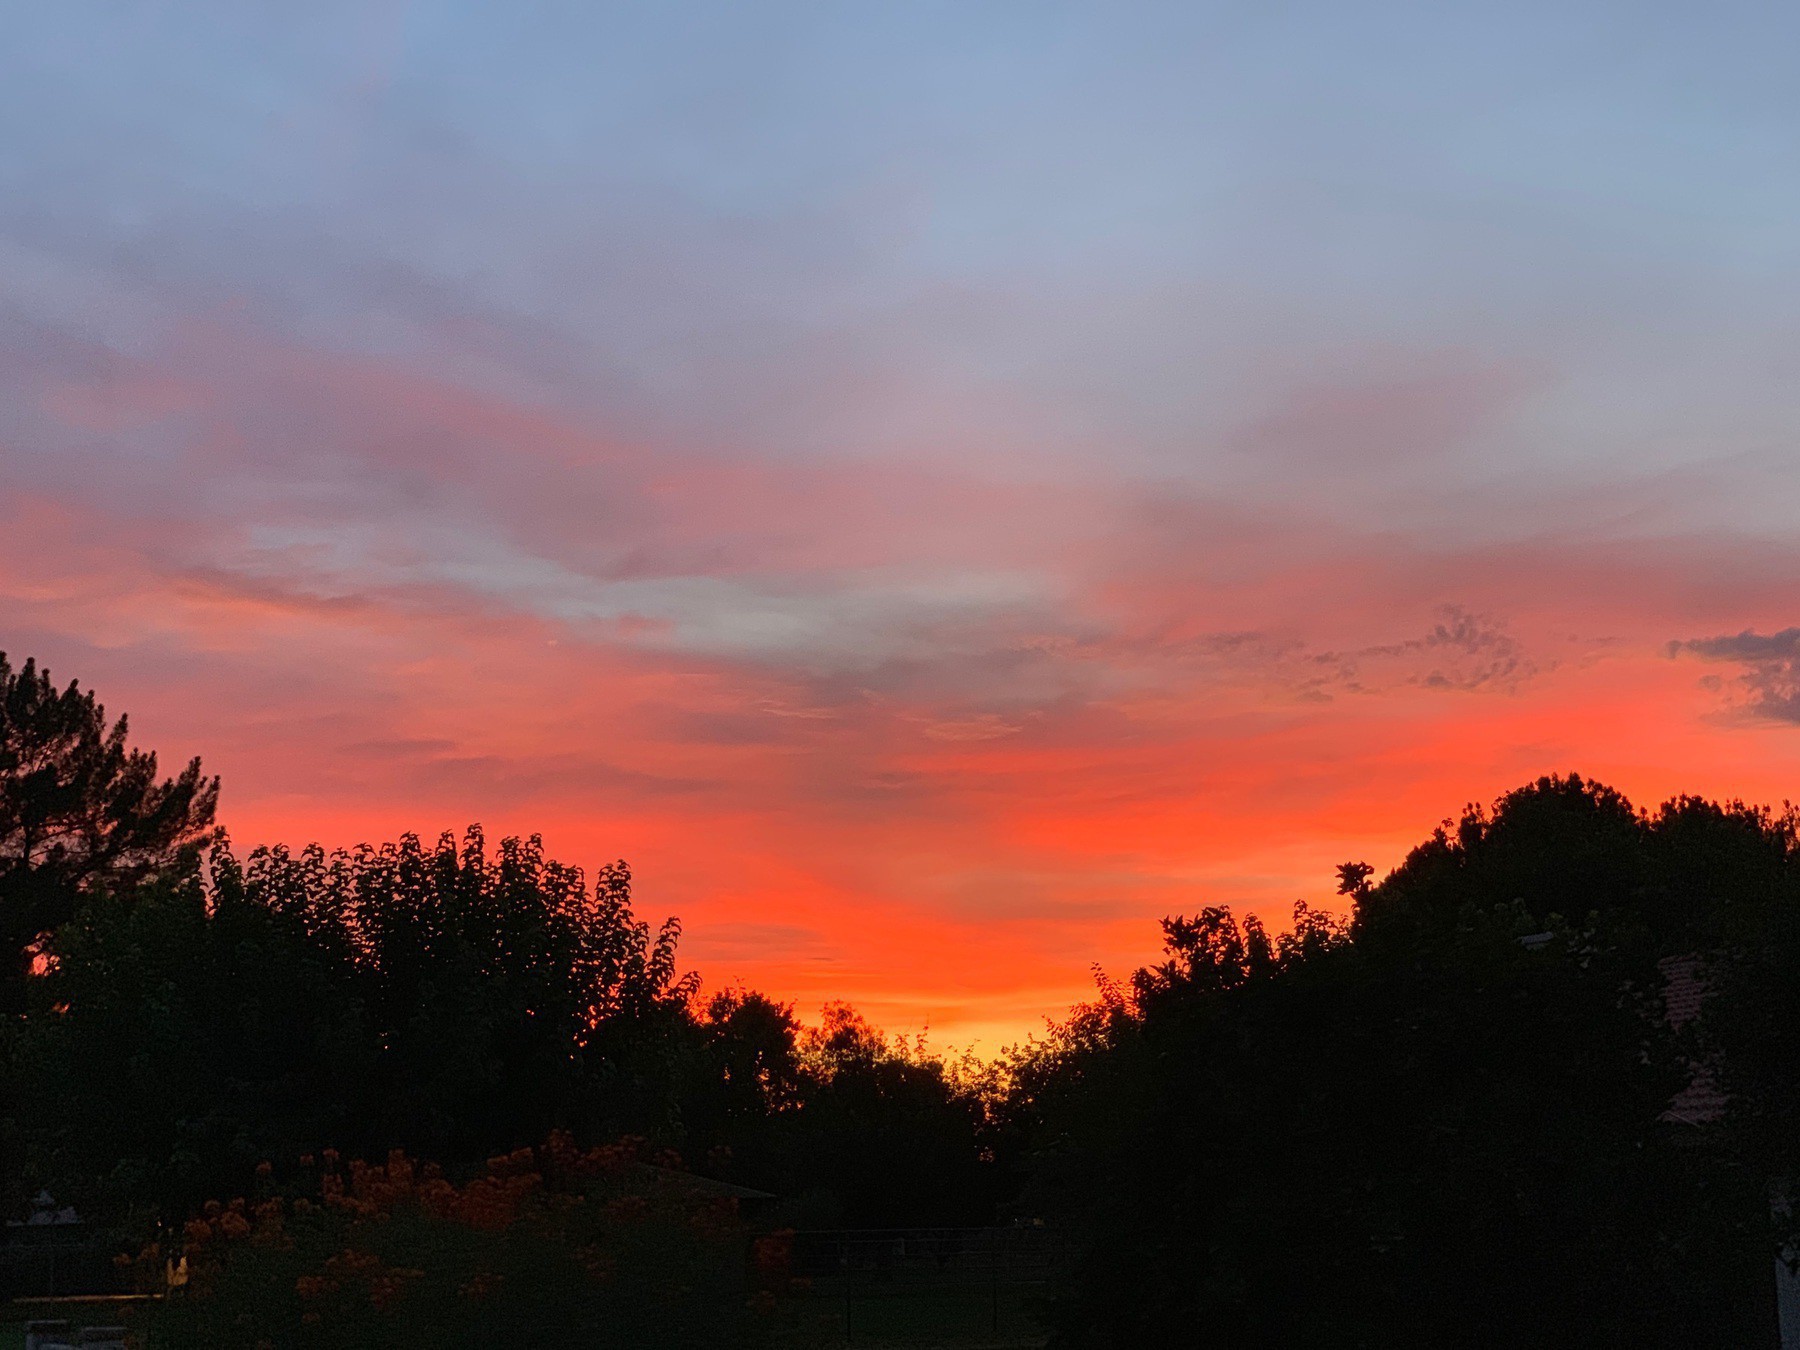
(930, 739)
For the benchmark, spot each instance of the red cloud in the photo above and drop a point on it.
(927, 739)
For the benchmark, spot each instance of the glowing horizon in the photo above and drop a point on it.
(935, 491)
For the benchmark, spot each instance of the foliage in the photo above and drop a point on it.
(535, 1247)
(499, 993)
(402, 996)
(175, 1044)
(1691, 876)
(1418, 1130)
(457, 1001)
(79, 809)
(1411, 1128)
(848, 1125)
(893, 1131)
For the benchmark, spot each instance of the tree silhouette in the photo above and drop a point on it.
(79, 810)
(1353, 879)
(1411, 1128)
(1450, 1139)
(1421, 1130)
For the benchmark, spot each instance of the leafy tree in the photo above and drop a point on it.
(739, 1085)
(1419, 1130)
(1716, 881)
(891, 1131)
(504, 998)
(453, 999)
(1718, 872)
(176, 1044)
(1353, 879)
(447, 999)
(1746, 861)
(1410, 1129)
(1558, 846)
(1691, 876)
(80, 810)
(757, 1040)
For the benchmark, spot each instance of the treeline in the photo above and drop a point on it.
(178, 1015)
(1443, 1119)
(456, 1002)
(1448, 1120)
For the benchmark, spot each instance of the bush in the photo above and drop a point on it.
(539, 1244)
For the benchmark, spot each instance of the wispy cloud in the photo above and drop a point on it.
(934, 505)
(1767, 686)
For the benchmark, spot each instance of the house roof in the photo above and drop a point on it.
(1702, 1101)
(696, 1185)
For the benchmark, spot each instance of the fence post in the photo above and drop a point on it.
(994, 1286)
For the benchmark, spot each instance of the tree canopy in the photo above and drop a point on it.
(1439, 1117)
(80, 809)
(1445, 1120)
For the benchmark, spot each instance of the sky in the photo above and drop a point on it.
(936, 487)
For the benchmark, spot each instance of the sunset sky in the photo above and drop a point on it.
(936, 486)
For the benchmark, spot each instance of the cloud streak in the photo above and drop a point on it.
(934, 506)
(1768, 685)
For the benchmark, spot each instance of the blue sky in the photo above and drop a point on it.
(1128, 216)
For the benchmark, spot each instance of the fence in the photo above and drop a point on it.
(939, 1286)
(46, 1260)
